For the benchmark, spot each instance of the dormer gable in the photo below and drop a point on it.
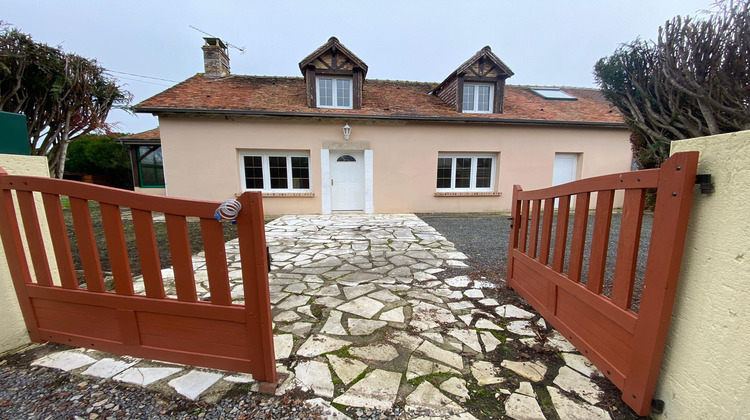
(477, 85)
(334, 77)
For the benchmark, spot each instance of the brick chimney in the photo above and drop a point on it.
(215, 58)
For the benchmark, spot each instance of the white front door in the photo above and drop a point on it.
(565, 169)
(347, 180)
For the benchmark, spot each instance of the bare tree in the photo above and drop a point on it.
(693, 81)
(63, 95)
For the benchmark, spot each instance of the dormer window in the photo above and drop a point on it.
(334, 77)
(334, 92)
(478, 98)
(477, 86)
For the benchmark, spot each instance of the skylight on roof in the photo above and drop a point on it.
(553, 93)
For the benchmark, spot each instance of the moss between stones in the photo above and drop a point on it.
(343, 352)
(432, 378)
(317, 310)
(360, 377)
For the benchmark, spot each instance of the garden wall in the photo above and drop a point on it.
(13, 333)
(706, 362)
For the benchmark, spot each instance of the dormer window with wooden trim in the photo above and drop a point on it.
(477, 86)
(334, 77)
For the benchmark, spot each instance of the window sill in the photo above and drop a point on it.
(288, 195)
(469, 194)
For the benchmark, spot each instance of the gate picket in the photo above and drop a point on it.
(627, 248)
(534, 238)
(549, 205)
(578, 242)
(87, 249)
(561, 233)
(600, 241)
(117, 248)
(216, 261)
(524, 225)
(34, 237)
(60, 243)
(148, 254)
(182, 262)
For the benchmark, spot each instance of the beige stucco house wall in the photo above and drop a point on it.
(153, 191)
(13, 332)
(706, 369)
(201, 158)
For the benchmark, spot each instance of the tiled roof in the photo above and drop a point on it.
(152, 134)
(264, 95)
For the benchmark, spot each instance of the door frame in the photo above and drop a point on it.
(325, 172)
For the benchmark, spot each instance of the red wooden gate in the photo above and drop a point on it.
(626, 346)
(216, 334)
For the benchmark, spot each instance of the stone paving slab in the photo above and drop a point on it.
(107, 368)
(375, 310)
(65, 360)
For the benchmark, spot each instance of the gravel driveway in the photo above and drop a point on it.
(484, 239)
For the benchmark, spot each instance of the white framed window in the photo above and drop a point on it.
(466, 172)
(478, 98)
(275, 171)
(334, 92)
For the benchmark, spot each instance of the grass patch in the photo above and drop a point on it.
(343, 352)
(483, 403)
(359, 378)
(432, 378)
(499, 335)
(545, 403)
(317, 310)
(337, 406)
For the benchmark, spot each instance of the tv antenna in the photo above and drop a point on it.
(230, 45)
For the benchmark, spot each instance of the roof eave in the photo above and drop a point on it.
(258, 113)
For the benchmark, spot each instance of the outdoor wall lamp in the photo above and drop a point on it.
(347, 131)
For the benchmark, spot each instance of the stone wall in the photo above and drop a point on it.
(706, 362)
(13, 333)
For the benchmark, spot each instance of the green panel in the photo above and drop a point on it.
(14, 140)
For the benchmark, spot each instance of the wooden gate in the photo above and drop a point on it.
(626, 346)
(216, 334)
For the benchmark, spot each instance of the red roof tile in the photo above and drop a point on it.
(152, 134)
(380, 99)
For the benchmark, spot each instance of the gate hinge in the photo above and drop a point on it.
(704, 180)
(657, 406)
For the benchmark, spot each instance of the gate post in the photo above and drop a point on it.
(673, 202)
(17, 263)
(515, 223)
(252, 241)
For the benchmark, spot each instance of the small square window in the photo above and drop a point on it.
(478, 98)
(334, 92)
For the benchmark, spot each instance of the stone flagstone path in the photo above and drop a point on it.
(365, 316)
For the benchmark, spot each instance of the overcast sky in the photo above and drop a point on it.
(552, 43)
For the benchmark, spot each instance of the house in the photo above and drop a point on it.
(333, 140)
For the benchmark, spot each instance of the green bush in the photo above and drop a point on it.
(100, 155)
